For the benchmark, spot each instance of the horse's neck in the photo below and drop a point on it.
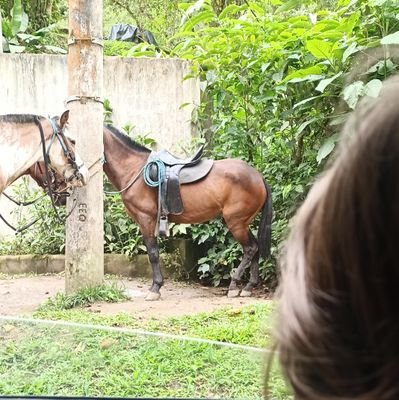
(121, 162)
(18, 152)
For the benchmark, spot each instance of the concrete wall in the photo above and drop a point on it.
(177, 263)
(146, 93)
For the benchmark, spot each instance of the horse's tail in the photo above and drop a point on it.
(265, 226)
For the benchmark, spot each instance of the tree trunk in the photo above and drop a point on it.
(41, 12)
(5, 7)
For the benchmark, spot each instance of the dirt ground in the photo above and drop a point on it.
(22, 295)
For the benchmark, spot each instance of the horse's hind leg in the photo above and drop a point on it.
(157, 278)
(250, 247)
(253, 278)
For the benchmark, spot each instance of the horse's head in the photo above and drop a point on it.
(56, 185)
(62, 156)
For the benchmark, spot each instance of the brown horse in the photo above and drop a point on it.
(26, 139)
(232, 189)
(56, 185)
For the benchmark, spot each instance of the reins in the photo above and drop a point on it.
(23, 203)
(132, 181)
(161, 173)
(18, 230)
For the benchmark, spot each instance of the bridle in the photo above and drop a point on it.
(49, 173)
(64, 143)
(60, 136)
(52, 184)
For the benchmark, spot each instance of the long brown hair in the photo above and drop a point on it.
(338, 315)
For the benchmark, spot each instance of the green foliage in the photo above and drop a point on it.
(157, 16)
(122, 235)
(117, 48)
(46, 236)
(107, 109)
(43, 13)
(18, 40)
(84, 297)
(220, 251)
(277, 81)
(272, 76)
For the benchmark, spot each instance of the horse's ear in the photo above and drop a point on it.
(64, 119)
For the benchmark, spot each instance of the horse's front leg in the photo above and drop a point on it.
(157, 278)
(146, 219)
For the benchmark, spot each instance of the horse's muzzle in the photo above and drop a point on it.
(84, 174)
(80, 177)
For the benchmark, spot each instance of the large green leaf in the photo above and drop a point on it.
(19, 18)
(288, 5)
(325, 82)
(304, 74)
(16, 49)
(326, 148)
(352, 93)
(351, 49)
(305, 101)
(259, 11)
(393, 38)
(304, 125)
(59, 50)
(373, 88)
(197, 6)
(348, 25)
(230, 10)
(202, 17)
(320, 49)
(7, 28)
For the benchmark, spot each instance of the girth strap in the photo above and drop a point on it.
(163, 170)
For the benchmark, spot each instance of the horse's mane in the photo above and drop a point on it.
(127, 140)
(20, 118)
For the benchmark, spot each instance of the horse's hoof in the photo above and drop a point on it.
(153, 296)
(233, 293)
(246, 293)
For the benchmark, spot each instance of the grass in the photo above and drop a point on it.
(84, 363)
(43, 359)
(84, 297)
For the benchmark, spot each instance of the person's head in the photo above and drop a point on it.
(338, 314)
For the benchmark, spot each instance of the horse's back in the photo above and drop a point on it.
(232, 185)
(238, 172)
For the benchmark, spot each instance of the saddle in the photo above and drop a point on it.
(177, 172)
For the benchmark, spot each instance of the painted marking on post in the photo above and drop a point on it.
(82, 212)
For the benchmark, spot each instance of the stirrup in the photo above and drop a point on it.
(163, 226)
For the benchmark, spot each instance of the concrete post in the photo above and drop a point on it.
(84, 265)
